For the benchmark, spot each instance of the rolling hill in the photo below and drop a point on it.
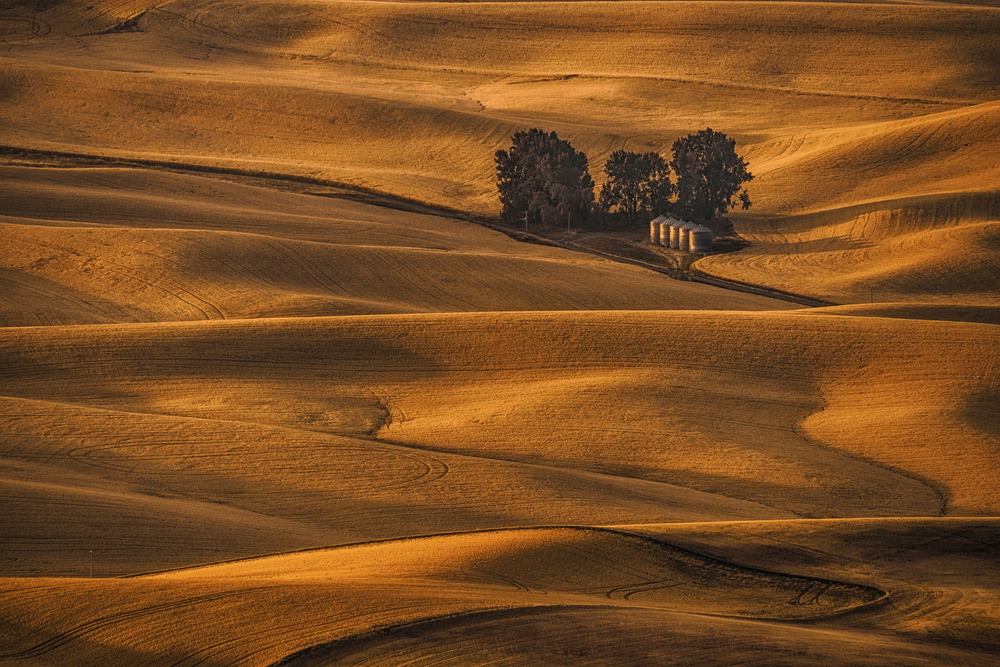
(270, 394)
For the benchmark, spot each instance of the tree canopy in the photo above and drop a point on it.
(544, 177)
(636, 182)
(709, 175)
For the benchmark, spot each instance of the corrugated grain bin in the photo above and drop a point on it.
(685, 240)
(675, 232)
(654, 230)
(665, 233)
(700, 239)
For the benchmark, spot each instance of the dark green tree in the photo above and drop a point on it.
(544, 177)
(636, 182)
(709, 175)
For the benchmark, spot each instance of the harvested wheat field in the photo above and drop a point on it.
(273, 393)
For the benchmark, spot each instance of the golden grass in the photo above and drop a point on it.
(394, 583)
(414, 99)
(914, 218)
(518, 419)
(506, 593)
(196, 370)
(201, 249)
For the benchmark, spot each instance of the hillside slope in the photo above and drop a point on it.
(547, 594)
(874, 163)
(355, 428)
(248, 417)
(901, 211)
(86, 246)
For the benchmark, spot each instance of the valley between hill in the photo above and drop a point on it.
(243, 423)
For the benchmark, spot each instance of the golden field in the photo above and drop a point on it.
(269, 396)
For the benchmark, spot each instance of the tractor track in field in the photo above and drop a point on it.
(84, 629)
(235, 651)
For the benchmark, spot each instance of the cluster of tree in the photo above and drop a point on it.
(542, 178)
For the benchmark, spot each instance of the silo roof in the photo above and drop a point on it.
(701, 229)
(677, 223)
(690, 225)
(662, 218)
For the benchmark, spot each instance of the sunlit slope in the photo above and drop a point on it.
(99, 246)
(269, 608)
(414, 98)
(664, 40)
(526, 595)
(737, 404)
(937, 249)
(78, 478)
(906, 210)
(940, 153)
(353, 428)
(263, 125)
(603, 563)
(935, 53)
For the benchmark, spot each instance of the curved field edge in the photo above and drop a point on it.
(629, 374)
(941, 573)
(449, 574)
(553, 632)
(276, 562)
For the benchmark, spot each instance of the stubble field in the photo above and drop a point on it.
(248, 416)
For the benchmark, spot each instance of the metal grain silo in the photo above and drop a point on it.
(700, 239)
(654, 230)
(665, 233)
(675, 232)
(685, 240)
